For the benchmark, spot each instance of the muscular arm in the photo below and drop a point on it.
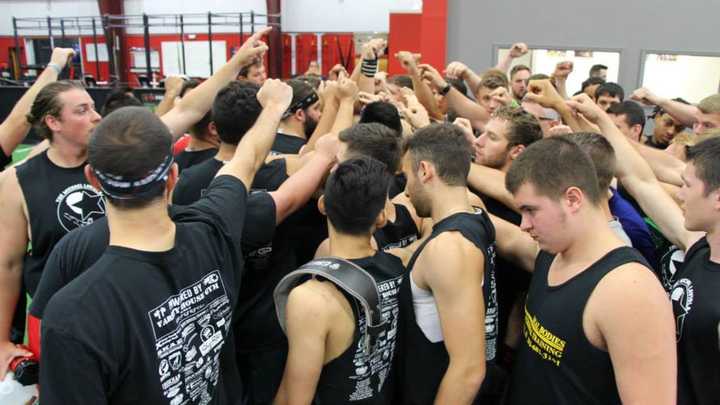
(666, 167)
(639, 332)
(297, 190)
(13, 242)
(452, 267)
(466, 108)
(307, 326)
(16, 125)
(490, 182)
(197, 102)
(514, 244)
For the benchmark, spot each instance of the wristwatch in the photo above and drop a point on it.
(445, 90)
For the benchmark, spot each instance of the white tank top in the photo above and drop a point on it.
(426, 314)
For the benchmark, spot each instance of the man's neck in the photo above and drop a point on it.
(349, 246)
(293, 128)
(197, 145)
(66, 155)
(592, 239)
(447, 201)
(149, 229)
(713, 239)
(225, 152)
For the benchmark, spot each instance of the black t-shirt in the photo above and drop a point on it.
(58, 200)
(81, 248)
(397, 234)
(397, 185)
(555, 363)
(187, 159)
(287, 144)
(354, 376)
(697, 311)
(153, 327)
(193, 181)
(4, 159)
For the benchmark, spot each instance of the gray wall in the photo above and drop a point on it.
(627, 26)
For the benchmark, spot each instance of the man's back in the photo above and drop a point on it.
(154, 326)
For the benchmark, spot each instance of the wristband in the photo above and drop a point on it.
(369, 67)
(54, 66)
(445, 90)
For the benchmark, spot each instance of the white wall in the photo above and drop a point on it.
(43, 8)
(693, 77)
(342, 15)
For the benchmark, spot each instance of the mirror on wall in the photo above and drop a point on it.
(544, 61)
(671, 75)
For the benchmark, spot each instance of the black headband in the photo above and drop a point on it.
(120, 188)
(303, 103)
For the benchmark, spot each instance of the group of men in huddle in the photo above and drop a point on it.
(521, 246)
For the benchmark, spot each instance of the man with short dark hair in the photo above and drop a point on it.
(608, 94)
(326, 327)
(384, 113)
(666, 128)
(519, 76)
(506, 135)
(590, 85)
(448, 298)
(629, 118)
(161, 281)
(599, 71)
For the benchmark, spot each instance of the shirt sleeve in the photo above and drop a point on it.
(70, 372)
(224, 204)
(51, 280)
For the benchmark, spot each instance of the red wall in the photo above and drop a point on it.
(424, 33)
(306, 50)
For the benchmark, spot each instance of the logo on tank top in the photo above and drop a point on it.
(79, 205)
(682, 295)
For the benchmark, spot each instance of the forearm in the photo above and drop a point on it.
(685, 113)
(504, 63)
(466, 108)
(460, 385)
(167, 102)
(16, 125)
(490, 182)
(472, 80)
(424, 94)
(560, 86)
(327, 119)
(10, 281)
(297, 190)
(344, 117)
(629, 161)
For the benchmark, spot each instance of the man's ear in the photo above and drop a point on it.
(515, 151)
(574, 198)
(52, 122)
(91, 178)
(172, 179)
(299, 115)
(636, 131)
(321, 205)
(425, 171)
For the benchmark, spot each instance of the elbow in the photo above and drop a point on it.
(471, 375)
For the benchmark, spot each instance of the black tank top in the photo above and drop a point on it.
(58, 200)
(697, 312)
(422, 364)
(555, 363)
(353, 377)
(397, 234)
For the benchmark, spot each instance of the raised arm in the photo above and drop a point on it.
(543, 93)
(461, 71)
(348, 94)
(275, 97)
(297, 190)
(515, 245)
(685, 113)
(191, 108)
(636, 175)
(422, 91)
(329, 95)
(516, 50)
(560, 76)
(490, 182)
(173, 87)
(666, 167)
(16, 125)
(463, 106)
